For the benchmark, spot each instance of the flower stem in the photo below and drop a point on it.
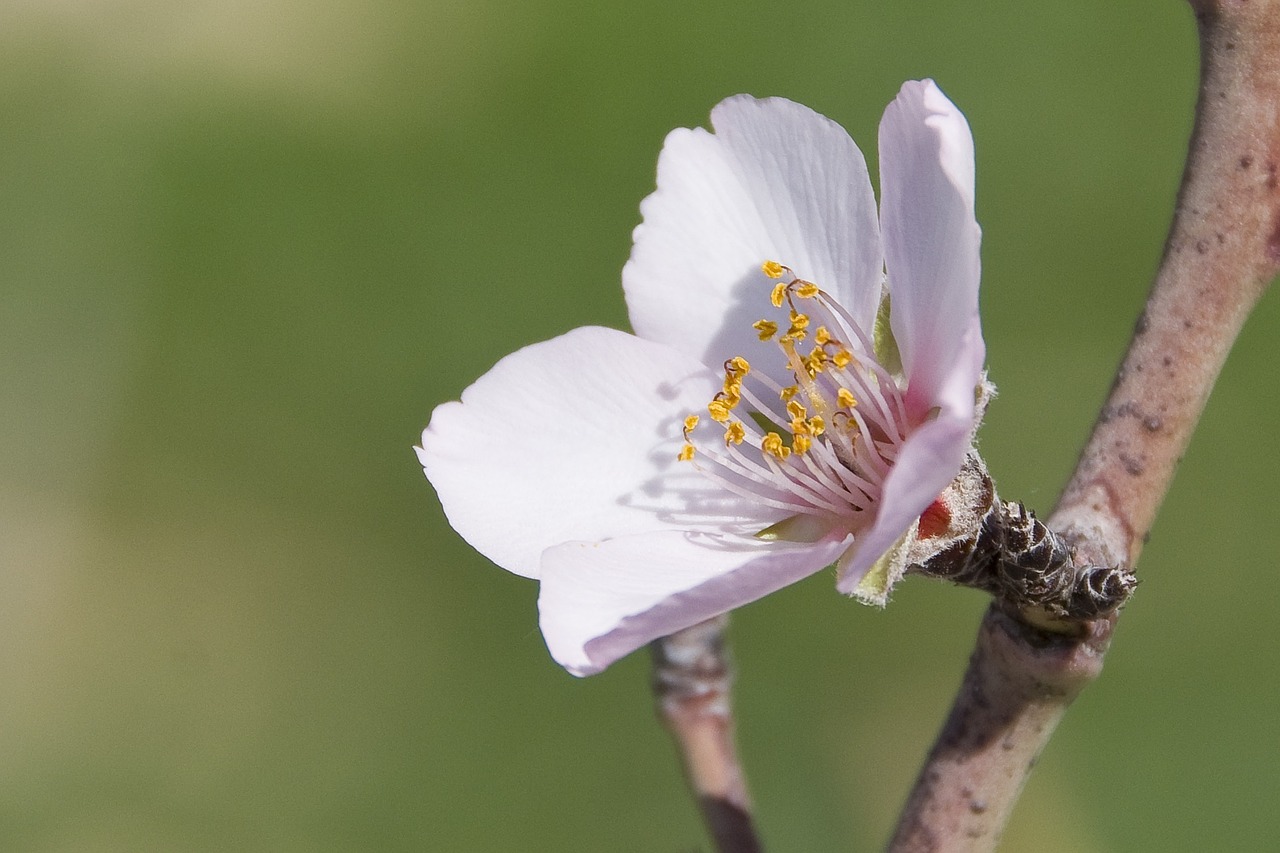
(1222, 252)
(692, 676)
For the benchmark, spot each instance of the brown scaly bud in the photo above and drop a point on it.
(1012, 555)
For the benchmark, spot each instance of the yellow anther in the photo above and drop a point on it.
(689, 423)
(719, 410)
(806, 289)
(796, 410)
(737, 366)
(846, 399)
(766, 328)
(773, 269)
(779, 293)
(772, 445)
(734, 433)
(821, 336)
(817, 426)
(842, 358)
(799, 322)
(686, 453)
(789, 392)
(801, 443)
(815, 361)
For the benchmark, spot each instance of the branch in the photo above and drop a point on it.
(1222, 252)
(1019, 683)
(691, 680)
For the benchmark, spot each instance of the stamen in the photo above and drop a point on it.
(815, 361)
(762, 487)
(834, 476)
(809, 447)
(779, 293)
(805, 289)
(772, 444)
(719, 410)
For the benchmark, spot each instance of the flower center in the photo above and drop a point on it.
(821, 444)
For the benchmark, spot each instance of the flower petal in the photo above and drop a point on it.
(603, 600)
(576, 438)
(776, 181)
(931, 240)
(927, 462)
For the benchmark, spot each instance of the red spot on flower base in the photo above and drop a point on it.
(935, 520)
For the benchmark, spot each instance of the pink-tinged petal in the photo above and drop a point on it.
(956, 394)
(926, 464)
(603, 600)
(776, 181)
(576, 438)
(931, 239)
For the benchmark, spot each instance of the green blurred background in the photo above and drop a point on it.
(245, 248)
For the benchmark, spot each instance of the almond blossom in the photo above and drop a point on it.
(775, 412)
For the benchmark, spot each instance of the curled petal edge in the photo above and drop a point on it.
(600, 601)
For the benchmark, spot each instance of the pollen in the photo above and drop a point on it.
(772, 445)
(799, 323)
(766, 329)
(779, 294)
(834, 446)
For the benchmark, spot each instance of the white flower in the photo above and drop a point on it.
(761, 424)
